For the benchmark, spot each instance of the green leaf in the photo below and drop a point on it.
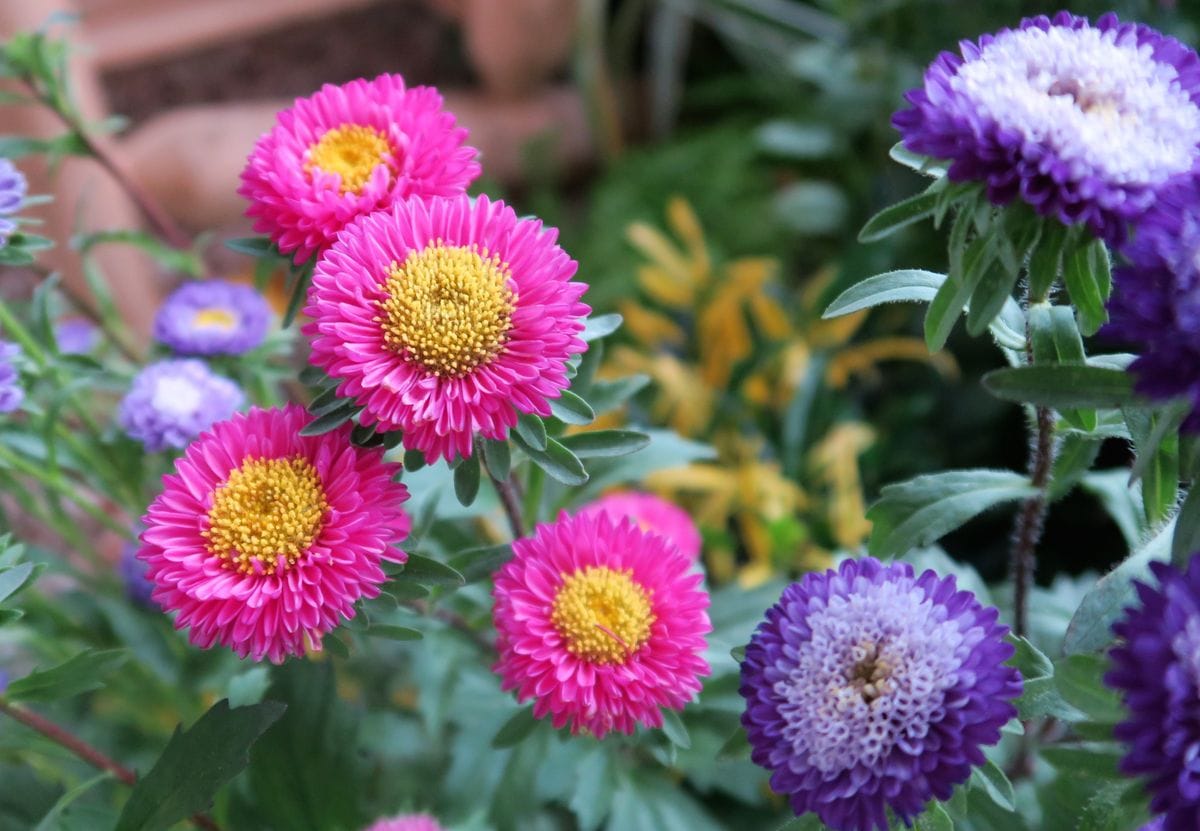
(606, 396)
(299, 292)
(675, 730)
(1087, 273)
(480, 563)
(736, 746)
(569, 408)
(1061, 386)
(531, 430)
(83, 673)
(430, 572)
(559, 463)
(414, 460)
(52, 821)
(466, 480)
(1040, 698)
(934, 818)
(497, 458)
(960, 284)
(195, 764)
(251, 246)
(515, 729)
(906, 285)
(249, 687)
(395, 633)
(1056, 340)
(1029, 660)
(988, 298)
(306, 773)
(605, 443)
(1090, 628)
(1076, 455)
(1045, 261)
(933, 168)
(12, 580)
(907, 212)
(1080, 681)
(1186, 540)
(920, 511)
(595, 777)
(1087, 759)
(601, 326)
(995, 784)
(331, 420)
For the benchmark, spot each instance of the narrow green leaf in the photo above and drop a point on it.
(395, 633)
(920, 511)
(1061, 386)
(466, 479)
(1045, 261)
(1080, 681)
(1086, 273)
(601, 326)
(532, 431)
(995, 784)
(906, 285)
(606, 396)
(195, 764)
(497, 458)
(994, 288)
(1030, 660)
(1056, 340)
(52, 821)
(950, 299)
(431, 572)
(675, 730)
(12, 580)
(480, 563)
(902, 214)
(299, 292)
(251, 246)
(605, 443)
(736, 746)
(571, 409)
(83, 673)
(1186, 540)
(515, 729)
(414, 460)
(331, 420)
(933, 168)
(559, 463)
(1090, 628)
(1076, 455)
(934, 818)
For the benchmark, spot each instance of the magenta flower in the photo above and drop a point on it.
(651, 513)
(263, 540)
(601, 624)
(349, 150)
(445, 318)
(406, 822)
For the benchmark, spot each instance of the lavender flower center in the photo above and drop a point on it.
(1100, 103)
(872, 677)
(215, 317)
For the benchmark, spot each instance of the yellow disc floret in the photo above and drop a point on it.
(266, 515)
(352, 151)
(215, 317)
(603, 614)
(448, 308)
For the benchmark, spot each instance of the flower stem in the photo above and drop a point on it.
(511, 500)
(1031, 517)
(84, 751)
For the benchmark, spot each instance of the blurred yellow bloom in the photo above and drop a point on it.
(834, 461)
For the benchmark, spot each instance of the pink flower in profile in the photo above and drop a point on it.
(651, 513)
(349, 150)
(445, 318)
(263, 539)
(406, 822)
(601, 624)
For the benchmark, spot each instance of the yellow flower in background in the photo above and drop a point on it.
(721, 337)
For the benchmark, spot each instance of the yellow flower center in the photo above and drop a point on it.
(214, 317)
(603, 615)
(448, 308)
(352, 151)
(266, 515)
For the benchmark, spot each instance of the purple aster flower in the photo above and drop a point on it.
(12, 195)
(172, 402)
(1156, 302)
(11, 394)
(1156, 824)
(213, 317)
(868, 688)
(133, 575)
(1084, 123)
(76, 336)
(1156, 668)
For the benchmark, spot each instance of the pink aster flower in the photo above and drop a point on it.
(406, 822)
(651, 513)
(348, 150)
(601, 624)
(263, 539)
(445, 318)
